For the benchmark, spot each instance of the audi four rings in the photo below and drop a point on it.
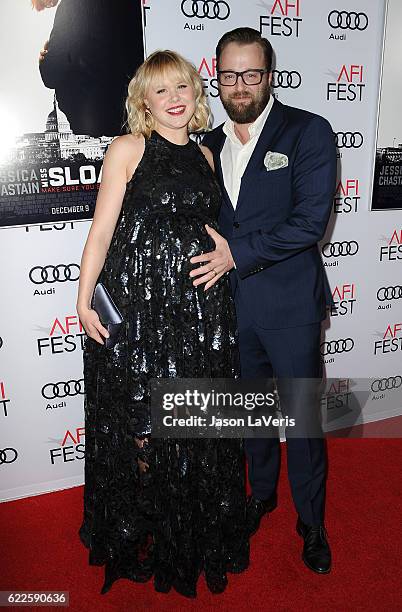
(63, 389)
(286, 79)
(348, 140)
(384, 384)
(348, 21)
(54, 274)
(343, 345)
(8, 455)
(385, 294)
(340, 249)
(206, 9)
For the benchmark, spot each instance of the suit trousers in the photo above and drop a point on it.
(288, 353)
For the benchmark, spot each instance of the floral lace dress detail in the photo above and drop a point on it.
(185, 512)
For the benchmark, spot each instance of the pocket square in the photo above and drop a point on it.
(274, 161)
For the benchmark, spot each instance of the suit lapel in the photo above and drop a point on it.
(274, 125)
(218, 169)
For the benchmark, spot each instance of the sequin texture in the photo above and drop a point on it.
(185, 514)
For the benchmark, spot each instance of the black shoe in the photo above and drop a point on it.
(238, 559)
(316, 551)
(255, 510)
(162, 583)
(215, 575)
(216, 583)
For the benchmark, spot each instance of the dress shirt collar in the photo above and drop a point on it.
(254, 129)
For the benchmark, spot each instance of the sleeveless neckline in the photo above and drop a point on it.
(186, 148)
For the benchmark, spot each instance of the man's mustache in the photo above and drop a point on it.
(239, 95)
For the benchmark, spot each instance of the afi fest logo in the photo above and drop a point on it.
(344, 300)
(336, 398)
(282, 19)
(391, 340)
(393, 250)
(3, 398)
(349, 84)
(65, 336)
(48, 228)
(347, 196)
(207, 71)
(344, 21)
(204, 11)
(71, 447)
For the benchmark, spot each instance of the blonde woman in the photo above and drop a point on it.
(161, 508)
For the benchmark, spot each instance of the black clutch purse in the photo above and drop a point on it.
(108, 314)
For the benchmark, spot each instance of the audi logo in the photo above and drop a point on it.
(8, 455)
(385, 294)
(286, 79)
(349, 140)
(337, 346)
(384, 384)
(206, 9)
(340, 249)
(54, 274)
(348, 21)
(63, 389)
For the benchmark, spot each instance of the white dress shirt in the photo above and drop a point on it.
(235, 155)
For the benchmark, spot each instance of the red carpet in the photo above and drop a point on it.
(40, 548)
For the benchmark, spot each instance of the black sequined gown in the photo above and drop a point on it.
(184, 514)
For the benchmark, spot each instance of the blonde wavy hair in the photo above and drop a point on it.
(160, 63)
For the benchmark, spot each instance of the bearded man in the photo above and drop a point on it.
(277, 168)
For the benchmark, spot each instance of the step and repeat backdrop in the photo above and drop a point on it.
(328, 58)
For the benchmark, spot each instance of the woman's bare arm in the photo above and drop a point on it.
(119, 164)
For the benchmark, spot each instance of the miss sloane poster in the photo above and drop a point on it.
(65, 72)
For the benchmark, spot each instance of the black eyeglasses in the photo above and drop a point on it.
(229, 78)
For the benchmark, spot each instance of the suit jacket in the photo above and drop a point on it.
(279, 218)
(95, 47)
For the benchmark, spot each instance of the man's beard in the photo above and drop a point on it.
(246, 113)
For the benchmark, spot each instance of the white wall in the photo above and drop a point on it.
(390, 120)
(49, 440)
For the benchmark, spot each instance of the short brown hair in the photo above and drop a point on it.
(245, 36)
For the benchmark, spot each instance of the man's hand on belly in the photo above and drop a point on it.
(216, 263)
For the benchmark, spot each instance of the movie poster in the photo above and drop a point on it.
(65, 68)
(387, 186)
